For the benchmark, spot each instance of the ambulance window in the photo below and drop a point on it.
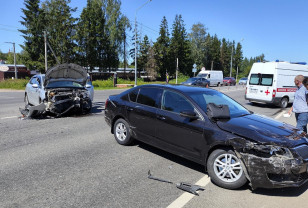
(254, 79)
(267, 79)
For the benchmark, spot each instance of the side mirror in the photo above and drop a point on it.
(35, 85)
(189, 114)
(88, 86)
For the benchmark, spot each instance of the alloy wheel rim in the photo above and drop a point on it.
(121, 131)
(227, 168)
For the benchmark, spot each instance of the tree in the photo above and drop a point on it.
(198, 43)
(161, 49)
(151, 66)
(144, 53)
(180, 47)
(93, 44)
(60, 26)
(214, 51)
(34, 23)
(238, 57)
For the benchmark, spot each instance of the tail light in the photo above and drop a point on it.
(274, 93)
(106, 103)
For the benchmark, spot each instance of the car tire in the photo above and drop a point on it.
(26, 99)
(284, 102)
(121, 132)
(225, 169)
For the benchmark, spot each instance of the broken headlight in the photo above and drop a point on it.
(274, 150)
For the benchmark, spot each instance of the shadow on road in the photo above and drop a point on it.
(172, 157)
(289, 192)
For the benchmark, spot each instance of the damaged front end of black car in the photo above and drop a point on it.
(270, 158)
(64, 92)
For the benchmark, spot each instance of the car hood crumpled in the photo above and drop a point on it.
(67, 71)
(264, 130)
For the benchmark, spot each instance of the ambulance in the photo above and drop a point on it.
(273, 82)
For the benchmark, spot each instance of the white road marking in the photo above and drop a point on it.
(279, 115)
(9, 117)
(186, 197)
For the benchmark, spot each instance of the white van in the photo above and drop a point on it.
(273, 82)
(215, 77)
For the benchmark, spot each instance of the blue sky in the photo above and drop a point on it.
(277, 28)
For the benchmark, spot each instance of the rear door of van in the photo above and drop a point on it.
(260, 87)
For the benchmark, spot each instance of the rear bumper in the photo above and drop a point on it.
(275, 100)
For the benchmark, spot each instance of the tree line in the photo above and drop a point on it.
(98, 38)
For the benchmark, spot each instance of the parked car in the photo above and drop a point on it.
(199, 81)
(243, 81)
(229, 81)
(210, 128)
(62, 89)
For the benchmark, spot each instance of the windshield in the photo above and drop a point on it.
(227, 78)
(202, 75)
(64, 84)
(203, 98)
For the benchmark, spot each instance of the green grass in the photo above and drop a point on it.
(20, 84)
(16, 84)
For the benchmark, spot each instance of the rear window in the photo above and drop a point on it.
(261, 79)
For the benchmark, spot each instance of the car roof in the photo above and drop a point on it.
(182, 88)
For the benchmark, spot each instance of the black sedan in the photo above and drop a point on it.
(198, 81)
(208, 127)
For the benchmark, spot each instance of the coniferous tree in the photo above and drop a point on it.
(161, 49)
(91, 36)
(144, 53)
(60, 27)
(33, 47)
(151, 66)
(180, 47)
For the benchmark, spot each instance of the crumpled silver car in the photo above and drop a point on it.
(61, 90)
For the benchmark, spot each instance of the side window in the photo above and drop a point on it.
(133, 95)
(175, 102)
(149, 96)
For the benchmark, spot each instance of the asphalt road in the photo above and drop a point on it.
(75, 162)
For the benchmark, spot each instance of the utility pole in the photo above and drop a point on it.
(212, 66)
(45, 43)
(136, 41)
(14, 59)
(176, 71)
(231, 61)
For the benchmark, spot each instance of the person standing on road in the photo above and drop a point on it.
(300, 107)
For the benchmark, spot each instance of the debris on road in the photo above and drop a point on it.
(183, 186)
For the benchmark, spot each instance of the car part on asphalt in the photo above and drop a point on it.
(183, 186)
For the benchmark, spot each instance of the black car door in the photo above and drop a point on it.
(141, 112)
(180, 134)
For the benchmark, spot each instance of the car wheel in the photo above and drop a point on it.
(225, 169)
(121, 132)
(284, 102)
